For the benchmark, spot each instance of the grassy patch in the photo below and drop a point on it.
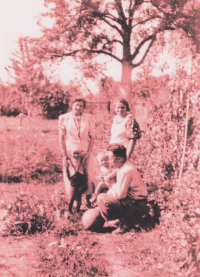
(65, 249)
(30, 152)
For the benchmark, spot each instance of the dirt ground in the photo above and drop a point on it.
(19, 257)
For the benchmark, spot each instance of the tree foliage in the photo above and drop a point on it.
(28, 75)
(86, 29)
(53, 101)
(34, 87)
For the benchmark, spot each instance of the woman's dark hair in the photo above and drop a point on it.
(124, 102)
(118, 150)
(80, 100)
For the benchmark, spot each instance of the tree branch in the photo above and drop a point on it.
(144, 21)
(73, 53)
(140, 46)
(119, 8)
(153, 38)
(102, 52)
(111, 42)
(131, 13)
(113, 26)
(112, 17)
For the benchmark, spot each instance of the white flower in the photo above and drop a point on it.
(197, 211)
(3, 214)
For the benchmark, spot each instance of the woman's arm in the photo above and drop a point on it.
(130, 148)
(62, 133)
(91, 134)
(62, 145)
(91, 144)
(133, 133)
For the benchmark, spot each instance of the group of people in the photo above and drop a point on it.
(120, 188)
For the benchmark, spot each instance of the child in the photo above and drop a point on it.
(76, 172)
(106, 176)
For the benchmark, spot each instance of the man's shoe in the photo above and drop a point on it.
(120, 230)
(112, 223)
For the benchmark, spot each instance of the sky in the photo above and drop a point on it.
(18, 18)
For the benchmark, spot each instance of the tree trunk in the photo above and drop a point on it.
(126, 88)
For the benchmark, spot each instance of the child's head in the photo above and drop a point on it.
(75, 152)
(103, 159)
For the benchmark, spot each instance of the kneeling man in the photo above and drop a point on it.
(126, 195)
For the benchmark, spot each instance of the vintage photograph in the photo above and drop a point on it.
(100, 138)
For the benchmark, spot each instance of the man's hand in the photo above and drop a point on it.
(94, 198)
(86, 157)
(66, 160)
(107, 179)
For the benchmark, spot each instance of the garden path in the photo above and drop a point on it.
(115, 256)
(18, 257)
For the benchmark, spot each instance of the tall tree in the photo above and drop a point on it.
(32, 83)
(124, 30)
(28, 74)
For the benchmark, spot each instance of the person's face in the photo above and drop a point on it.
(121, 109)
(77, 108)
(104, 161)
(76, 154)
(115, 161)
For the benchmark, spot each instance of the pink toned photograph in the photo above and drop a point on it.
(100, 138)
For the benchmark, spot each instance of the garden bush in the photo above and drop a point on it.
(158, 156)
(53, 102)
(11, 105)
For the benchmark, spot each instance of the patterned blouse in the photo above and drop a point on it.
(124, 129)
(132, 129)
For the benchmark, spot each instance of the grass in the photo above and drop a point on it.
(65, 244)
(30, 152)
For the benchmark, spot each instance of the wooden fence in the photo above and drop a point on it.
(98, 106)
(139, 110)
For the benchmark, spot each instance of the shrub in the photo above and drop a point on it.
(29, 213)
(158, 156)
(53, 102)
(9, 110)
(12, 105)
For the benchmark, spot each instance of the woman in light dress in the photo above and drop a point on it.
(125, 130)
(78, 128)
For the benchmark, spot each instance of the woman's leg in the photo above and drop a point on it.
(78, 199)
(90, 172)
(66, 180)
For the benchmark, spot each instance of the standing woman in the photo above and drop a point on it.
(125, 130)
(77, 129)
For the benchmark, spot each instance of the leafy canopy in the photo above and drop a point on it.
(86, 28)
